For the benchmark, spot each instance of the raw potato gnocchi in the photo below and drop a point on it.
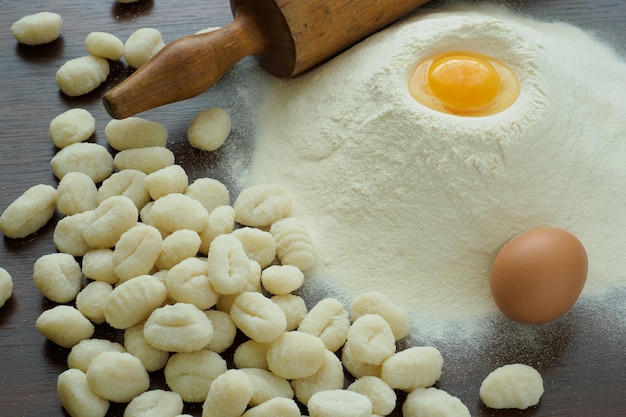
(77, 398)
(209, 129)
(329, 321)
(261, 205)
(135, 343)
(117, 376)
(412, 368)
(339, 403)
(29, 212)
(142, 45)
(328, 377)
(155, 403)
(146, 160)
(58, 277)
(64, 325)
(180, 327)
(76, 193)
(135, 132)
(71, 126)
(296, 355)
(190, 374)
(512, 386)
(6, 286)
(91, 300)
(105, 45)
(433, 402)
(228, 395)
(83, 353)
(82, 75)
(89, 158)
(294, 245)
(374, 302)
(128, 183)
(382, 396)
(37, 29)
(133, 301)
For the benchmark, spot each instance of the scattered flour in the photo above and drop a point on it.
(415, 203)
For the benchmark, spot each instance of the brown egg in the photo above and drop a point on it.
(538, 275)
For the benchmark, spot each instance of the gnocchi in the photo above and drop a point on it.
(296, 355)
(133, 301)
(168, 180)
(178, 246)
(128, 183)
(91, 159)
(82, 75)
(29, 212)
(177, 211)
(258, 318)
(281, 279)
(374, 302)
(136, 251)
(512, 386)
(117, 376)
(110, 220)
(142, 45)
(277, 406)
(58, 277)
(135, 343)
(224, 330)
(230, 269)
(266, 386)
(135, 132)
(71, 126)
(91, 300)
(82, 353)
(76, 193)
(146, 160)
(37, 29)
(258, 244)
(328, 377)
(77, 398)
(294, 308)
(339, 403)
(433, 402)
(156, 402)
(98, 265)
(329, 321)
(210, 192)
(382, 396)
(209, 129)
(6, 286)
(105, 45)
(294, 245)
(179, 327)
(188, 282)
(370, 339)
(69, 234)
(413, 368)
(228, 395)
(261, 205)
(191, 374)
(64, 325)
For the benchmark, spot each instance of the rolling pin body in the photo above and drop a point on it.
(286, 36)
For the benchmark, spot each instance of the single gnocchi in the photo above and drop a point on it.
(64, 325)
(177, 211)
(105, 45)
(135, 132)
(281, 279)
(136, 251)
(209, 129)
(76, 193)
(210, 192)
(83, 353)
(512, 386)
(77, 398)
(37, 29)
(370, 339)
(71, 126)
(133, 301)
(228, 395)
(374, 302)
(339, 403)
(328, 377)
(261, 205)
(329, 321)
(179, 327)
(117, 376)
(135, 343)
(6, 286)
(129, 183)
(156, 402)
(168, 180)
(294, 245)
(412, 368)
(91, 300)
(190, 374)
(257, 317)
(29, 212)
(433, 402)
(58, 277)
(146, 160)
(188, 282)
(382, 396)
(82, 75)
(91, 159)
(142, 45)
(110, 220)
(296, 355)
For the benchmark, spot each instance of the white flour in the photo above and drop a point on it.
(415, 203)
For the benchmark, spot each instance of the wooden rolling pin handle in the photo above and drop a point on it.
(185, 68)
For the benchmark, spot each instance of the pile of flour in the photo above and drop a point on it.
(414, 203)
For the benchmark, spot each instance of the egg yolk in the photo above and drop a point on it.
(464, 84)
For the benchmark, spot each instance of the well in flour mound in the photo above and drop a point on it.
(415, 203)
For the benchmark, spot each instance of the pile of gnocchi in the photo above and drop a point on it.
(182, 274)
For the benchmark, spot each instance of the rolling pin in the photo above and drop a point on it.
(287, 37)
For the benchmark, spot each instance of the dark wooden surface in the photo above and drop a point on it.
(582, 357)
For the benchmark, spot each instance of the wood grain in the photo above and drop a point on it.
(581, 357)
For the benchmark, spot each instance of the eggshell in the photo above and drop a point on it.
(538, 275)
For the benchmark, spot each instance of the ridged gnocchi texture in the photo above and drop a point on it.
(294, 245)
(82, 75)
(512, 386)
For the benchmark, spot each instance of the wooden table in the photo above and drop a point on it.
(582, 358)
